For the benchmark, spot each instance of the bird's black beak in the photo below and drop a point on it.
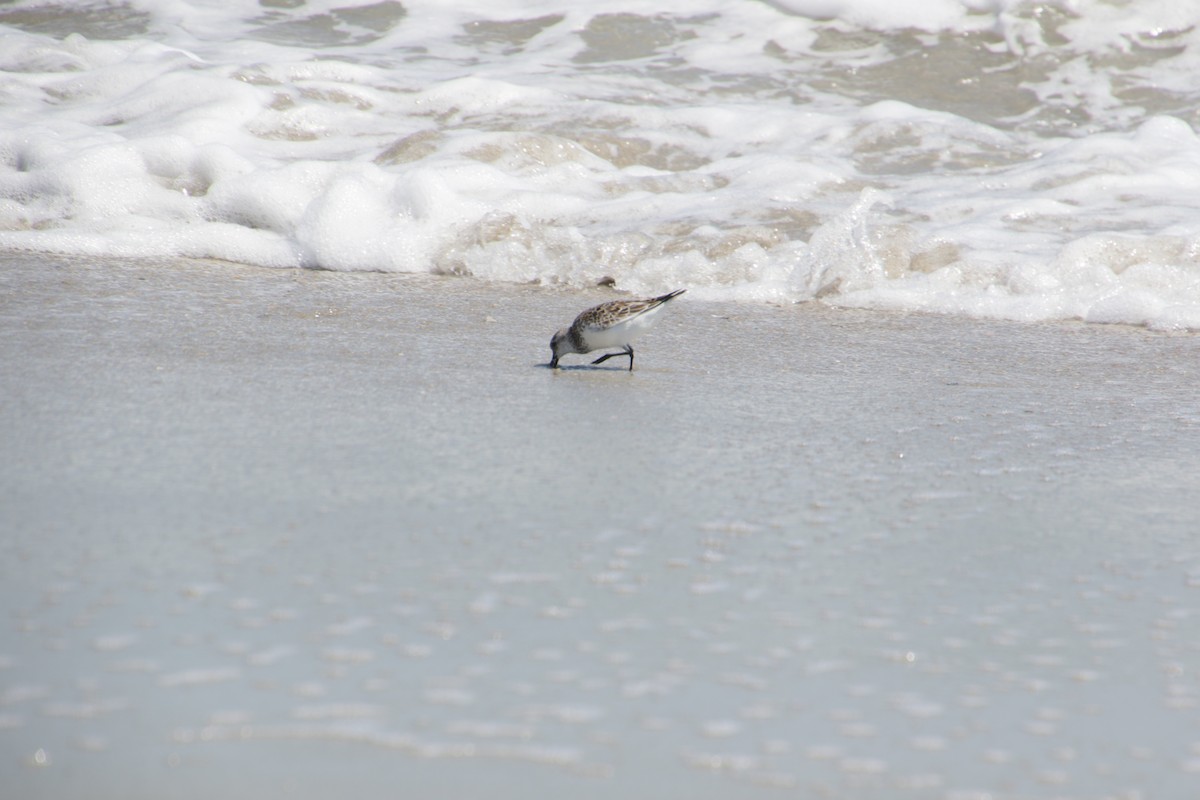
(553, 362)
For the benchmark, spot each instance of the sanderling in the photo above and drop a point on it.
(612, 324)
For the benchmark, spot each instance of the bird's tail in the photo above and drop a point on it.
(669, 296)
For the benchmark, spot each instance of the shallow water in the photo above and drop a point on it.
(1000, 159)
(270, 529)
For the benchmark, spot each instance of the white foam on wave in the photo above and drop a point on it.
(1094, 22)
(925, 14)
(979, 157)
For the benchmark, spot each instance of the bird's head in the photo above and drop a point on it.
(560, 345)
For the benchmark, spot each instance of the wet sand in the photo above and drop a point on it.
(323, 532)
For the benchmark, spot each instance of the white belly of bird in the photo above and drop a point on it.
(622, 333)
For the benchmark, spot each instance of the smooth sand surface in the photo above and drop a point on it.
(272, 532)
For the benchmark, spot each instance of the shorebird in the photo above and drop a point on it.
(612, 324)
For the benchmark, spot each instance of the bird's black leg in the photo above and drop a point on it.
(628, 351)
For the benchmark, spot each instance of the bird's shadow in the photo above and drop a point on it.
(583, 368)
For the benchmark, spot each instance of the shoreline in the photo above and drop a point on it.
(352, 516)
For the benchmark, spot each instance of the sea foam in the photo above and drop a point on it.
(983, 157)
